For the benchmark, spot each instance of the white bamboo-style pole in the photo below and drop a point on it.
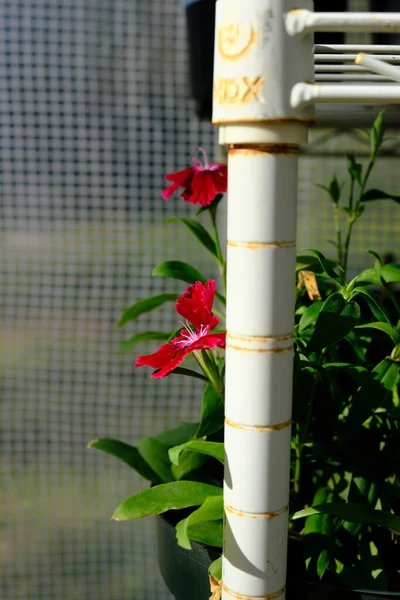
(301, 22)
(256, 66)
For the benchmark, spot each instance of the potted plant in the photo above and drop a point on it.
(345, 471)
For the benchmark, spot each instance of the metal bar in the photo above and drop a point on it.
(304, 94)
(319, 58)
(346, 77)
(371, 48)
(378, 66)
(300, 22)
(335, 68)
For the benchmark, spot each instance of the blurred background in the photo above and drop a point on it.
(94, 108)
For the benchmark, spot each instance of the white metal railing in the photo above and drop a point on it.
(301, 22)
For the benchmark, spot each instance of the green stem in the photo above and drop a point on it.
(351, 195)
(304, 436)
(210, 370)
(338, 235)
(354, 215)
(347, 246)
(367, 174)
(297, 470)
(220, 258)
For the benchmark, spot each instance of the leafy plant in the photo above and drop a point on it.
(345, 471)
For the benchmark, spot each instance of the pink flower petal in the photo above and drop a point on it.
(179, 357)
(196, 303)
(161, 357)
(200, 183)
(207, 342)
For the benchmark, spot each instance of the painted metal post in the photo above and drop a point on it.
(256, 66)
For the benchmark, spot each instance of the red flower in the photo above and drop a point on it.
(195, 305)
(201, 183)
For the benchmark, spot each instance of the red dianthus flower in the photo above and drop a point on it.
(195, 305)
(200, 183)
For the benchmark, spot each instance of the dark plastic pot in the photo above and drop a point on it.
(185, 572)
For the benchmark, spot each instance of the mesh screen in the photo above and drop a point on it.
(93, 110)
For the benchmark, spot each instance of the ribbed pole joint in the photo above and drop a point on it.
(231, 594)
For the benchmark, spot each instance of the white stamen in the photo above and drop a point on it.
(196, 162)
(191, 336)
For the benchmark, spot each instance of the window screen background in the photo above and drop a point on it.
(94, 109)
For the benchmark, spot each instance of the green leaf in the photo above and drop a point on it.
(360, 491)
(189, 462)
(208, 532)
(143, 337)
(177, 435)
(167, 496)
(309, 317)
(319, 523)
(374, 194)
(377, 133)
(335, 320)
(385, 327)
(327, 267)
(179, 270)
(128, 454)
(390, 272)
(353, 513)
(144, 306)
(199, 232)
(324, 527)
(214, 449)
(352, 576)
(334, 189)
(378, 260)
(211, 512)
(375, 305)
(374, 393)
(189, 373)
(215, 569)
(308, 262)
(357, 373)
(212, 413)
(354, 168)
(155, 453)
(323, 561)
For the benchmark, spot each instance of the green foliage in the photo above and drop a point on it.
(345, 461)
(203, 525)
(144, 306)
(143, 337)
(309, 262)
(176, 269)
(215, 569)
(334, 321)
(379, 195)
(199, 232)
(212, 412)
(215, 449)
(167, 496)
(128, 454)
(353, 513)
